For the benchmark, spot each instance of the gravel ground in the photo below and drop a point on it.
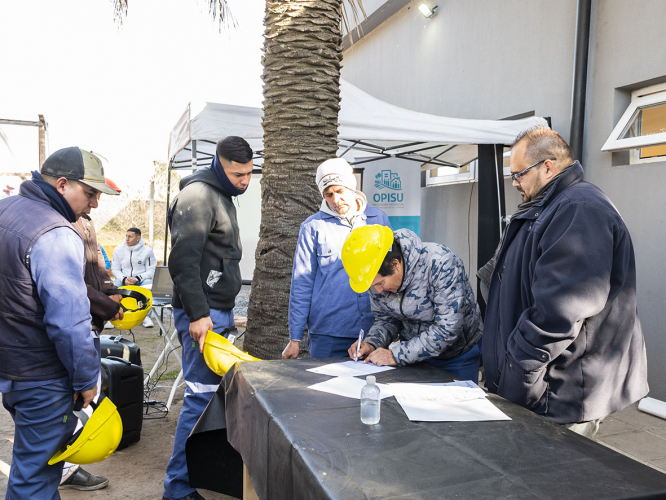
(242, 300)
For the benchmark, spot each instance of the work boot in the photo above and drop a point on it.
(83, 481)
(192, 496)
(147, 323)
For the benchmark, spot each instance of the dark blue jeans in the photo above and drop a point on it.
(465, 366)
(201, 383)
(326, 346)
(42, 419)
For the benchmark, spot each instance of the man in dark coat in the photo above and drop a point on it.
(562, 335)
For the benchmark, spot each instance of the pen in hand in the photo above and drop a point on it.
(358, 346)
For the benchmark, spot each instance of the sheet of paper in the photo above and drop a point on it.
(450, 392)
(445, 403)
(348, 387)
(349, 369)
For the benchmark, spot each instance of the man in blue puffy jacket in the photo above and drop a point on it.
(320, 297)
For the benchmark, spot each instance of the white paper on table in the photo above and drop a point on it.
(445, 403)
(349, 387)
(349, 369)
(451, 392)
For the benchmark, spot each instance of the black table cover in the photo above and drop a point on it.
(300, 443)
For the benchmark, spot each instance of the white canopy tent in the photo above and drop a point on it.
(369, 130)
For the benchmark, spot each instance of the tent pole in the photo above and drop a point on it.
(166, 225)
(195, 166)
(491, 207)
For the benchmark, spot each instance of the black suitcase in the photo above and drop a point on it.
(122, 383)
(119, 346)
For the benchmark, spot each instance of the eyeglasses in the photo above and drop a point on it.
(516, 177)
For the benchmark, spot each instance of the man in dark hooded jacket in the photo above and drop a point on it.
(204, 266)
(562, 335)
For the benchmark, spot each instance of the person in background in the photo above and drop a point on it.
(204, 267)
(105, 258)
(103, 307)
(320, 298)
(49, 355)
(563, 338)
(134, 264)
(420, 295)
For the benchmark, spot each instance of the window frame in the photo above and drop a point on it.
(640, 98)
(467, 177)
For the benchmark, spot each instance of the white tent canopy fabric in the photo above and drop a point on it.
(385, 129)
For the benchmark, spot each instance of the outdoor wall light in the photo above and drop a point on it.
(427, 11)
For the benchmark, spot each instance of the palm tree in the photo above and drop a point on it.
(302, 61)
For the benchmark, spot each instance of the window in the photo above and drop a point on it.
(642, 128)
(451, 175)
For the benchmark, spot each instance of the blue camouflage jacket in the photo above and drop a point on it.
(321, 297)
(434, 313)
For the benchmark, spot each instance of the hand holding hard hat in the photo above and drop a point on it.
(135, 304)
(97, 439)
(220, 354)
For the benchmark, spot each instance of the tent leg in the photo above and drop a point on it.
(166, 225)
(491, 206)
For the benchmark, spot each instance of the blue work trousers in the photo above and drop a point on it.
(465, 366)
(327, 346)
(201, 383)
(43, 419)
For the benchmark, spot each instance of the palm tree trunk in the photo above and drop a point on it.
(302, 60)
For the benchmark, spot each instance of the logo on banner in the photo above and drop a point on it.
(388, 179)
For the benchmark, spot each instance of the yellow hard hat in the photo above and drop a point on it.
(363, 253)
(136, 304)
(97, 439)
(220, 354)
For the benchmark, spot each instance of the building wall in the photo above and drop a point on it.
(489, 59)
(628, 51)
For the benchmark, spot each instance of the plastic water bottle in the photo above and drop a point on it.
(370, 401)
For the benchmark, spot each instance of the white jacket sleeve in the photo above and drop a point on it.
(151, 264)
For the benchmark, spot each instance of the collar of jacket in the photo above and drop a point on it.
(572, 175)
(207, 176)
(328, 215)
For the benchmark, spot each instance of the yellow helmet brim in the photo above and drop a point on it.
(99, 437)
(220, 354)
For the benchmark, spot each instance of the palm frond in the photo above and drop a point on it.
(119, 10)
(352, 7)
(220, 10)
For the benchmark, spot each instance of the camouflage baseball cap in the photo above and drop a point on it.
(79, 165)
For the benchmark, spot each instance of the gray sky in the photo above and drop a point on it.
(118, 90)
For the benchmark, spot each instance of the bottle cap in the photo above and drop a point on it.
(370, 379)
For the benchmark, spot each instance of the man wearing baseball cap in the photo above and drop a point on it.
(48, 356)
(320, 296)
